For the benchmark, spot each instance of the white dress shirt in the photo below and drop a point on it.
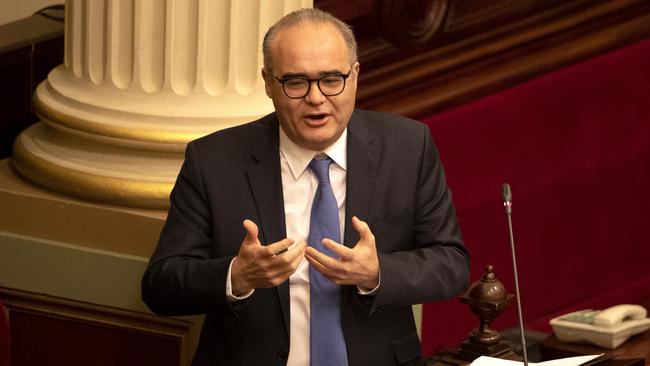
(299, 186)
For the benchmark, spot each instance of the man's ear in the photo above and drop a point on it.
(267, 76)
(356, 67)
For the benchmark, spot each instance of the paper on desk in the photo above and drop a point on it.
(568, 361)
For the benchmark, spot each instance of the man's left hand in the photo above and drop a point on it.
(357, 266)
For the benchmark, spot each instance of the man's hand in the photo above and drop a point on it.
(258, 266)
(355, 266)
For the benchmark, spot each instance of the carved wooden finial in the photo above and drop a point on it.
(487, 299)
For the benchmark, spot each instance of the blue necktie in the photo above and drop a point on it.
(327, 343)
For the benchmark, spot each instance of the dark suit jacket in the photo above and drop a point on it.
(395, 182)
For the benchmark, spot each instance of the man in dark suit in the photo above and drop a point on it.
(248, 200)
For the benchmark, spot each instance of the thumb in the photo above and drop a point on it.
(251, 232)
(362, 228)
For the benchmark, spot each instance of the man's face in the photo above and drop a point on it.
(311, 50)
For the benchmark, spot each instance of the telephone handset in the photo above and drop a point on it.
(616, 315)
(607, 328)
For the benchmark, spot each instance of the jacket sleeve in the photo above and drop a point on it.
(435, 265)
(182, 277)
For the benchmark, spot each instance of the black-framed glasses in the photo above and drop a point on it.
(298, 87)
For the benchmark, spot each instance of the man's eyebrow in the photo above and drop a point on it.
(331, 72)
(303, 75)
(293, 75)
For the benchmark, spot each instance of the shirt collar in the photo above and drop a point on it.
(298, 157)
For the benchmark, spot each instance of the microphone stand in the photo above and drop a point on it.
(507, 203)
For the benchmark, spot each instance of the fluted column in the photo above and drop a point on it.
(140, 79)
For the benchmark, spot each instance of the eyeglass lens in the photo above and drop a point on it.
(329, 85)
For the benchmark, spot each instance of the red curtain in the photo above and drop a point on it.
(575, 147)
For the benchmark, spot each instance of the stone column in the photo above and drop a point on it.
(140, 79)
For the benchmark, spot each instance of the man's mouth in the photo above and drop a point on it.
(316, 118)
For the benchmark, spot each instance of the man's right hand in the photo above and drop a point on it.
(263, 266)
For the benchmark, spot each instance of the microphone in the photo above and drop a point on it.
(506, 194)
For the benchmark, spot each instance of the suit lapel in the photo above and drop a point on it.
(363, 163)
(265, 181)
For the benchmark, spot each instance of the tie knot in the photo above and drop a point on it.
(321, 167)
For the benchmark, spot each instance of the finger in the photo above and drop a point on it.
(279, 247)
(314, 258)
(299, 253)
(251, 232)
(340, 250)
(317, 265)
(322, 258)
(292, 251)
(362, 228)
(289, 261)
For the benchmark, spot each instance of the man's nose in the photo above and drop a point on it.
(314, 95)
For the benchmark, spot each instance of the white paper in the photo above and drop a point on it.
(568, 361)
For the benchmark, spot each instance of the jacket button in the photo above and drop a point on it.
(281, 355)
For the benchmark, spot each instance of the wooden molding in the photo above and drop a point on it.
(41, 306)
(411, 22)
(483, 47)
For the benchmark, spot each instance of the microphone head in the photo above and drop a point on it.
(506, 192)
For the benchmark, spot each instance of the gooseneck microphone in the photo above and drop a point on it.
(507, 204)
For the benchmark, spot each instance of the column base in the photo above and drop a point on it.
(65, 163)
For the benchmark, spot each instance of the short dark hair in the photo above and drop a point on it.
(308, 15)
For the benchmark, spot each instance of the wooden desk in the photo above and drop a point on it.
(635, 347)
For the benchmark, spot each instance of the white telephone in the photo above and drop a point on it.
(607, 328)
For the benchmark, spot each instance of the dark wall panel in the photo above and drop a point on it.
(29, 49)
(38, 339)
